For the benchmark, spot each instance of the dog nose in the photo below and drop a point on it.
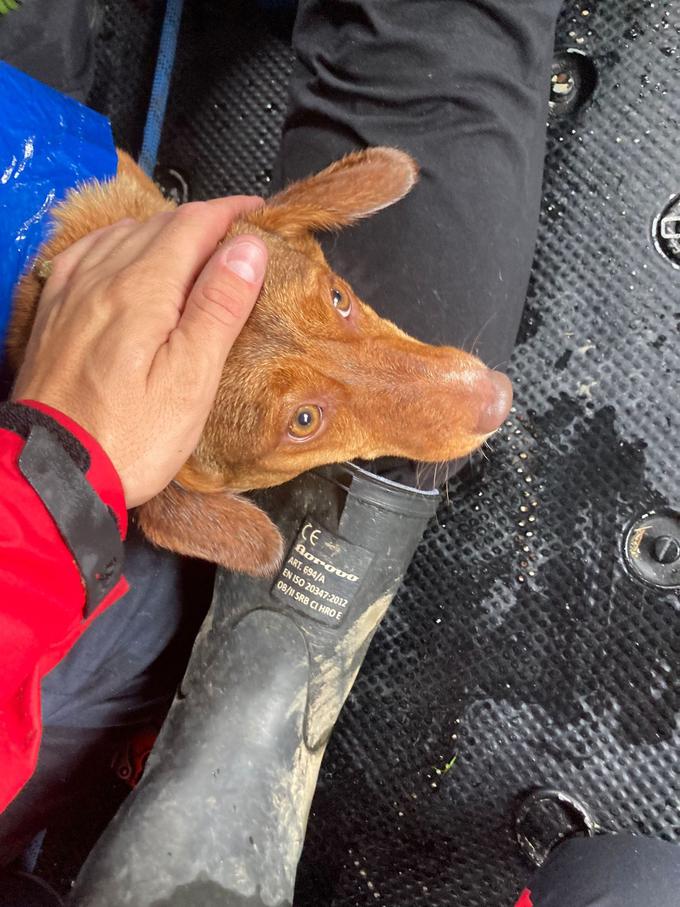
(498, 400)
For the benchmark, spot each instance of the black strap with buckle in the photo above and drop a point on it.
(54, 463)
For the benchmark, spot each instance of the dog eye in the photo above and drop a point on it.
(306, 421)
(341, 302)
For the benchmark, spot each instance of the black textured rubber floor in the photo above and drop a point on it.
(520, 652)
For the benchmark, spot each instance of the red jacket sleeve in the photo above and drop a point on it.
(42, 597)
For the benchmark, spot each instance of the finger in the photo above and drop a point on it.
(222, 299)
(245, 202)
(114, 252)
(190, 237)
(62, 266)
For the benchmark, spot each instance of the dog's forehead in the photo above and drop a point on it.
(298, 254)
(296, 302)
(293, 274)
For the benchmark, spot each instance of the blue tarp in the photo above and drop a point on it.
(48, 144)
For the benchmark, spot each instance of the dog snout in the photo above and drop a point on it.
(495, 392)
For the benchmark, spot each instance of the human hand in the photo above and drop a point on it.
(132, 330)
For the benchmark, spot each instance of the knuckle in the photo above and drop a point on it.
(117, 231)
(126, 285)
(134, 357)
(161, 218)
(120, 226)
(59, 266)
(222, 302)
(192, 211)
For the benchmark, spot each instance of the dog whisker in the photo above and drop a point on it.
(486, 324)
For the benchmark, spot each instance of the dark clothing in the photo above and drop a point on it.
(120, 676)
(463, 86)
(53, 42)
(20, 890)
(607, 871)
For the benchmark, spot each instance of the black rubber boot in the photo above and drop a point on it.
(220, 814)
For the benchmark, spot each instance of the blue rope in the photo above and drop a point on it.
(161, 86)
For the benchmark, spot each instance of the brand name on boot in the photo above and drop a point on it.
(302, 551)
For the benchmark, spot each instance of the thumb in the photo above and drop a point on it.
(223, 296)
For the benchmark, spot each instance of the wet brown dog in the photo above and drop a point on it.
(315, 377)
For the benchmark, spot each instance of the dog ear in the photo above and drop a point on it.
(221, 527)
(356, 186)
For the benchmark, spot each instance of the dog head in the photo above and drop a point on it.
(316, 376)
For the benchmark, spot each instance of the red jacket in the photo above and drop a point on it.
(42, 598)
